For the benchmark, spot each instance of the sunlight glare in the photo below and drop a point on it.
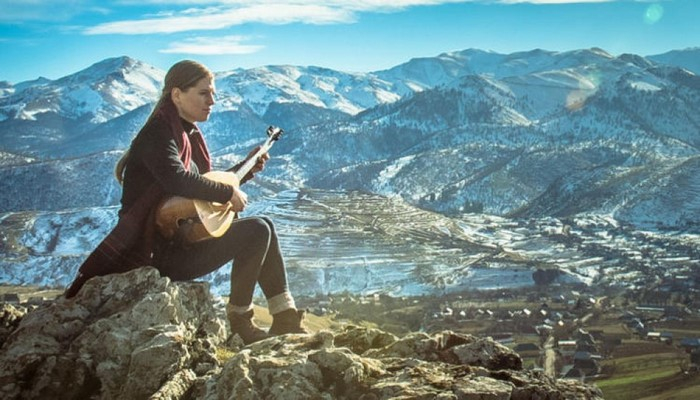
(576, 99)
(653, 13)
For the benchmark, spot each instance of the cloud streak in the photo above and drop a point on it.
(554, 1)
(213, 46)
(20, 11)
(203, 15)
(221, 17)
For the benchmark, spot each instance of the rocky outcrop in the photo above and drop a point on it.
(123, 337)
(140, 336)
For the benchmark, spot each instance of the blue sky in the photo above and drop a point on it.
(54, 38)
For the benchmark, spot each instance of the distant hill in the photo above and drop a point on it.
(538, 135)
(687, 58)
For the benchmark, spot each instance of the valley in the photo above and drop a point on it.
(549, 200)
(537, 285)
(367, 244)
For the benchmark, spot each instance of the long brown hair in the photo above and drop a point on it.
(182, 75)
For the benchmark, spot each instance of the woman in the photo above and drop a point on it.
(167, 158)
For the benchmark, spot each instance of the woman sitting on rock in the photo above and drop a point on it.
(167, 158)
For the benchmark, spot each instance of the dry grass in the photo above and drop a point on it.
(25, 292)
(312, 322)
(644, 370)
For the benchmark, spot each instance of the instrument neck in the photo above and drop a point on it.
(251, 161)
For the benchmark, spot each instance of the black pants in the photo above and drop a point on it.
(252, 245)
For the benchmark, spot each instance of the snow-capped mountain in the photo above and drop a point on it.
(99, 93)
(530, 136)
(599, 136)
(39, 115)
(320, 87)
(423, 73)
(6, 88)
(439, 132)
(688, 59)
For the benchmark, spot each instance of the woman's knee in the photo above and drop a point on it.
(256, 229)
(269, 223)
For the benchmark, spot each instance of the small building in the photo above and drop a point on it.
(695, 357)
(585, 355)
(586, 347)
(543, 329)
(583, 337)
(663, 337)
(567, 349)
(650, 309)
(635, 325)
(527, 349)
(690, 344)
(12, 298)
(587, 363)
(570, 372)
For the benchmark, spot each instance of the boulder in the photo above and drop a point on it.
(10, 317)
(140, 336)
(445, 365)
(124, 336)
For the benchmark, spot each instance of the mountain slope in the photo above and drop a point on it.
(434, 176)
(319, 87)
(99, 93)
(527, 133)
(688, 58)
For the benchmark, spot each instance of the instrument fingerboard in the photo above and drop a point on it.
(274, 134)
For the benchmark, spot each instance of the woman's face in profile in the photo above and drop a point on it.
(195, 103)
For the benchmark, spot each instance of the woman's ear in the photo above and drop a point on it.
(175, 95)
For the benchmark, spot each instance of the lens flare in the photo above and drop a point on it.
(653, 14)
(588, 86)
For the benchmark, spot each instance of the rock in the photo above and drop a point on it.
(36, 300)
(445, 365)
(177, 387)
(124, 336)
(10, 317)
(360, 340)
(140, 336)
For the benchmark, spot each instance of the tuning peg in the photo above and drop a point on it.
(274, 131)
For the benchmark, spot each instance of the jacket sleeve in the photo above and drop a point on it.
(159, 154)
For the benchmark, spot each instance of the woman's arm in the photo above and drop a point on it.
(159, 153)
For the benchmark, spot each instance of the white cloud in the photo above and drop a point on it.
(19, 11)
(218, 45)
(221, 14)
(359, 4)
(213, 18)
(554, 1)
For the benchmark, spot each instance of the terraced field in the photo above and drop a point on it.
(363, 243)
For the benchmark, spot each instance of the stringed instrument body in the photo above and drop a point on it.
(193, 220)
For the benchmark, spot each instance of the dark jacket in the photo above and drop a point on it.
(154, 156)
(164, 160)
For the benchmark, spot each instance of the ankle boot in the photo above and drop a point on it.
(243, 326)
(288, 321)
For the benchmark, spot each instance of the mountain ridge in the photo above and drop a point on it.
(533, 136)
(543, 100)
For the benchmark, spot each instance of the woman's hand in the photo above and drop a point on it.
(238, 200)
(260, 164)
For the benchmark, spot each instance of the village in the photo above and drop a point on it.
(641, 341)
(631, 343)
